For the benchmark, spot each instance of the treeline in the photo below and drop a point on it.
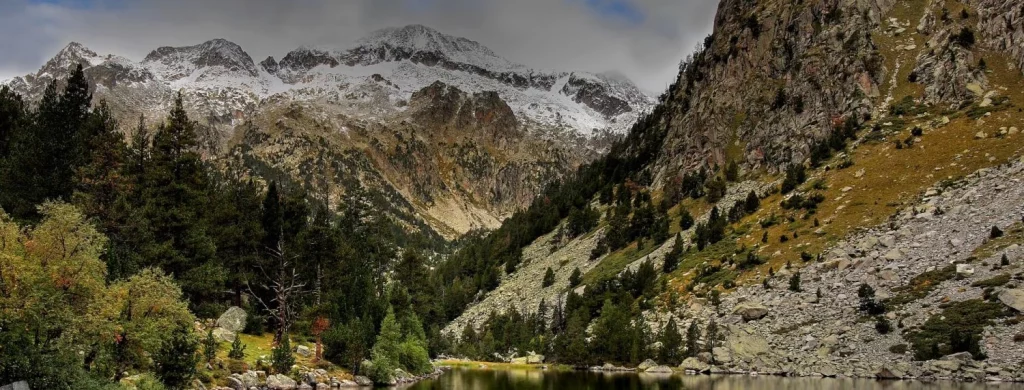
(162, 210)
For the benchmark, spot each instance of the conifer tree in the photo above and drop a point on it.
(175, 194)
(177, 358)
(693, 339)
(671, 344)
(549, 278)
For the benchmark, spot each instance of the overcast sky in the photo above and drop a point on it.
(643, 39)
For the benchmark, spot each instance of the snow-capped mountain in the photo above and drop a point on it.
(448, 135)
(374, 77)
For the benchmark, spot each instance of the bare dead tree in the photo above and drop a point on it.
(285, 284)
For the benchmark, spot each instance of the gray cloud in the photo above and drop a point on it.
(547, 34)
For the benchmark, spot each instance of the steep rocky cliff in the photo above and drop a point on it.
(904, 119)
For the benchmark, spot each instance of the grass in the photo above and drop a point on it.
(920, 286)
(617, 261)
(958, 320)
(1012, 235)
(260, 346)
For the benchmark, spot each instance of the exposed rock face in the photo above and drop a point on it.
(948, 70)
(773, 80)
(999, 27)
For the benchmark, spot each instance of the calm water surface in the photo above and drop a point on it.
(482, 379)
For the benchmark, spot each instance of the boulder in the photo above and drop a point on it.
(750, 311)
(236, 384)
(534, 359)
(233, 319)
(721, 355)
(964, 270)
(223, 334)
(695, 365)
(305, 386)
(19, 385)
(249, 379)
(646, 364)
(659, 370)
(887, 373)
(280, 382)
(303, 351)
(1013, 298)
(363, 381)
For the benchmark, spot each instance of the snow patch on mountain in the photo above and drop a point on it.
(374, 76)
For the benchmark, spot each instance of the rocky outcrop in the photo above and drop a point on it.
(773, 80)
(999, 27)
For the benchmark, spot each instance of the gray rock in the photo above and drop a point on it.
(646, 364)
(233, 319)
(223, 334)
(751, 311)
(19, 385)
(695, 365)
(280, 382)
(659, 370)
(236, 383)
(363, 381)
(303, 351)
(249, 379)
(1013, 298)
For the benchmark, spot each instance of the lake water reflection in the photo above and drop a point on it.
(483, 379)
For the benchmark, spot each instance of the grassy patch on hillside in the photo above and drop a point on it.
(957, 329)
(1011, 235)
(920, 286)
(615, 262)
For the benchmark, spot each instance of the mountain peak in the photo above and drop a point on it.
(417, 38)
(213, 53)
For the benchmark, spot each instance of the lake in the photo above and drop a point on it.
(484, 379)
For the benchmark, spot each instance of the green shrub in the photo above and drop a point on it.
(956, 329)
(994, 281)
(281, 358)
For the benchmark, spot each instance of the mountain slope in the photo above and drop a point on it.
(496, 133)
(897, 126)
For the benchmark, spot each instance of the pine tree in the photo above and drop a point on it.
(693, 339)
(101, 178)
(685, 219)
(732, 171)
(210, 345)
(575, 278)
(549, 278)
(671, 344)
(177, 358)
(385, 350)
(712, 339)
(673, 257)
(237, 351)
(281, 358)
(794, 282)
(175, 194)
(752, 202)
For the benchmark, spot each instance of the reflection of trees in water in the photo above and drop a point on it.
(519, 379)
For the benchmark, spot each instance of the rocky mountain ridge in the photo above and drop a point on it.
(541, 125)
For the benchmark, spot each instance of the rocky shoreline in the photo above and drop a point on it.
(314, 380)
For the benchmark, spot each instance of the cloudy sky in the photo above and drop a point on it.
(643, 39)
